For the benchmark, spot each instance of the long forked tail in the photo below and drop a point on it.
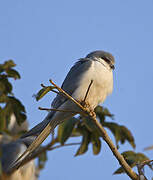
(36, 143)
(42, 130)
(42, 136)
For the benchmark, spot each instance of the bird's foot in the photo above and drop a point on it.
(88, 108)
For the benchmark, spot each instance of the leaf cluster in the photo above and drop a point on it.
(132, 158)
(83, 127)
(8, 103)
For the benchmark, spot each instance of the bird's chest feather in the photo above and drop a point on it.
(102, 84)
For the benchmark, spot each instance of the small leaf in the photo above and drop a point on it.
(65, 129)
(96, 143)
(115, 129)
(132, 159)
(43, 92)
(84, 144)
(121, 133)
(102, 113)
(89, 124)
(99, 113)
(127, 135)
(5, 86)
(3, 98)
(13, 73)
(107, 113)
(8, 64)
(141, 157)
(15, 106)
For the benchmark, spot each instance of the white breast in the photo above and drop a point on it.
(102, 85)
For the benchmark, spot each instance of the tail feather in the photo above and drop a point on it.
(36, 143)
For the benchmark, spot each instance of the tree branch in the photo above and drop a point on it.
(104, 134)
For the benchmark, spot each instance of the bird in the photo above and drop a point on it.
(97, 67)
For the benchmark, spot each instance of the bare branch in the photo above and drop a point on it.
(140, 168)
(148, 148)
(60, 110)
(42, 85)
(105, 136)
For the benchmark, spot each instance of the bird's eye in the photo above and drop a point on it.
(107, 60)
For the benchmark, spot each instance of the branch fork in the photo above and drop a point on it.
(102, 131)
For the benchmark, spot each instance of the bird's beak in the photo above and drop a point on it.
(112, 66)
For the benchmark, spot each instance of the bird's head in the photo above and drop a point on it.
(102, 56)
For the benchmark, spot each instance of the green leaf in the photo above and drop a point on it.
(96, 143)
(102, 113)
(107, 113)
(5, 86)
(132, 159)
(127, 135)
(65, 129)
(84, 144)
(99, 113)
(3, 98)
(43, 92)
(141, 157)
(2, 119)
(17, 108)
(121, 133)
(42, 158)
(13, 73)
(8, 64)
(115, 129)
(90, 125)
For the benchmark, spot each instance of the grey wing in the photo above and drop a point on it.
(71, 81)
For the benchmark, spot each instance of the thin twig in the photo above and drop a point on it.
(148, 148)
(88, 90)
(58, 146)
(140, 168)
(42, 85)
(60, 110)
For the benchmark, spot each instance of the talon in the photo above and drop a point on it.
(92, 113)
(88, 109)
(85, 104)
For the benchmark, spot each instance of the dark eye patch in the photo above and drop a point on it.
(106, 59)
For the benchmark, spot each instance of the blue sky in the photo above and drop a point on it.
(45, 38)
